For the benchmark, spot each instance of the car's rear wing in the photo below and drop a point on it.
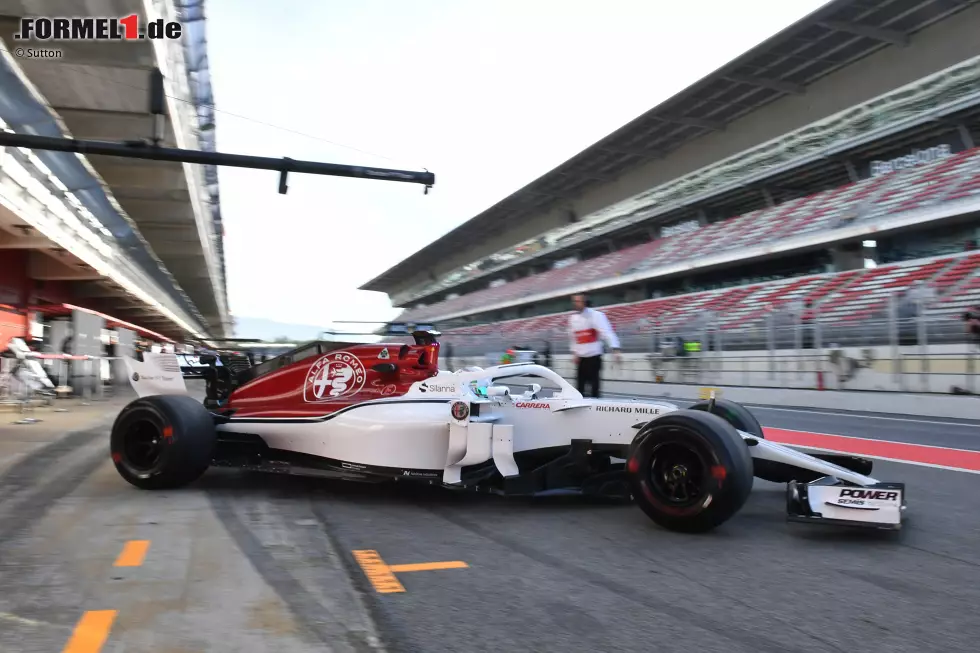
(426, 337)
(156, 374)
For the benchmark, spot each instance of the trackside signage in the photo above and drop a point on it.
(107, 28)
(911, 160)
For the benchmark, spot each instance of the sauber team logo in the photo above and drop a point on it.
(460, 410)
(335, 375)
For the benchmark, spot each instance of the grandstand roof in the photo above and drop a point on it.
(832, 37)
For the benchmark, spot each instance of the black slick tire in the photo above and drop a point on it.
(162, 441)
(735, 414)
(742, 419)
(709, 457)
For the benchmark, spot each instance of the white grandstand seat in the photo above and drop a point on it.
(843, 297)
(958, 287)
(969, 184)
(868, 292)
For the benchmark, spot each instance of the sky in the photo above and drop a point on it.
(486, 94)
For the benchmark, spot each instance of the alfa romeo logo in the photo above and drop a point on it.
(338, 374)
(460, 410)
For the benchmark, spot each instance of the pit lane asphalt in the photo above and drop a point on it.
(255, 562)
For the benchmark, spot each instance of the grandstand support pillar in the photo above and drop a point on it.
(798, 339)
(818, 341)
(705, 367)
(767, 196)
(852, 172)
(719, 346)
(971, 370)
(771, 343)
(893, 340)
(920, 319)
(702, 218)
(966, 136)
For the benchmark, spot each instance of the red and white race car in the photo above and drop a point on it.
(384, 411)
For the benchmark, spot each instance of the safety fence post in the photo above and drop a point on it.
(771, 343)
(893, 341)
(923, 333)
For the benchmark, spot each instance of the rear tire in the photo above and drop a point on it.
(162, 441)
(689, 471)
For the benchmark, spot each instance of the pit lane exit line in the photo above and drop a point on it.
(382, 575)
(960, 460)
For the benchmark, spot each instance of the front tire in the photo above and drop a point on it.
(689, 471)
(769, 470)
(735, 414)
(162, 441)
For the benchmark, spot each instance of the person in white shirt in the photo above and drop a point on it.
(587, 330)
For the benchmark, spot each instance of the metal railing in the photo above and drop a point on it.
(906, 346)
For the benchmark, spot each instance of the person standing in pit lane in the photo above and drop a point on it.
(587, 329)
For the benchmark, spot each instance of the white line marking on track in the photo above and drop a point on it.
(6, 616)
(875, 440)
(815, 411)
(891, 460)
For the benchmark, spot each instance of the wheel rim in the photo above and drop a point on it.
(679, 472)
(143, 446)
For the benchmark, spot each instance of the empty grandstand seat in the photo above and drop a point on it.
(949, 179)
(845, 297)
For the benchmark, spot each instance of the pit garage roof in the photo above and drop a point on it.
(832, 37)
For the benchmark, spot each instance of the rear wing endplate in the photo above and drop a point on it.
(156, 374)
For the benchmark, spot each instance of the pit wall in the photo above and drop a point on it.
(935, 369)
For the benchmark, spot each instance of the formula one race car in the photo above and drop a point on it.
(381, 412)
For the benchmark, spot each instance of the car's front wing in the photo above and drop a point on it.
(840, 496)
(830, 501)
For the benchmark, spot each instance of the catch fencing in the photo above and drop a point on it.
(904, 346)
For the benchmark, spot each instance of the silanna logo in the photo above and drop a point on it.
(336, 375)
(437, 387)
(126, 28)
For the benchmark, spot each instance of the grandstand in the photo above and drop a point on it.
(695, 217)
